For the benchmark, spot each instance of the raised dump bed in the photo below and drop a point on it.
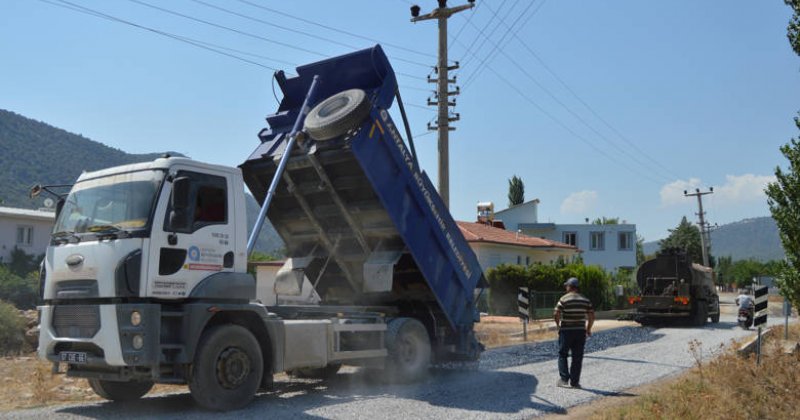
(360, 219)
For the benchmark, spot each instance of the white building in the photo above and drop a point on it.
(494, 246)
(609, 246)
(28, 230)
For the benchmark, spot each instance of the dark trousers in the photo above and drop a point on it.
(571, 341)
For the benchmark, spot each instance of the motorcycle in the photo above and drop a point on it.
(745, 318)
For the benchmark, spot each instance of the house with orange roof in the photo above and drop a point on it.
(494, 246)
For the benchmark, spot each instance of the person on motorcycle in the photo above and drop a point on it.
(744, 300)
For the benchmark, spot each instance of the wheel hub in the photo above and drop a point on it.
(408, 351)
(233, 367)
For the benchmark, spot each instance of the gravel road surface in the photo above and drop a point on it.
(514, 382)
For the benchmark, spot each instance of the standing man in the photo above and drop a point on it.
(571, 315)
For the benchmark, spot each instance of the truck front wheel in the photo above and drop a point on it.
(409, 350)
(227, 368)
(120, 391)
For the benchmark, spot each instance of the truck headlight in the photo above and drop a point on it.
(136, 318)
(138, 341)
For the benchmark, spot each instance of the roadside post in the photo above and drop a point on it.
(761, 293)
(787, 311)
(523, 307)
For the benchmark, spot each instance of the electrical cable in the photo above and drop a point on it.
(341, 31)
(199, 44)
(297, 31)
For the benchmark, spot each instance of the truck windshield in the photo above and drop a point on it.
(115, 203)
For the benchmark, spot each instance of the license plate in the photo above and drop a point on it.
(73, 356)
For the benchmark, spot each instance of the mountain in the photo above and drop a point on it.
(32, 152)
(755, 238)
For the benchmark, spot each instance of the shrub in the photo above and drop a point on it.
(12, 329)
(23, 292)
(504, 281)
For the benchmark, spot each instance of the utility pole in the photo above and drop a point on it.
(705, 240)
(441, 14)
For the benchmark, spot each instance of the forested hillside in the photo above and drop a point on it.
(33, 152)
(755, 238)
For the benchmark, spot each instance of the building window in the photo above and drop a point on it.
(625, 241)
(519, 260)
(25, 235)
(597, 241)
(527, 260)
(571, 238)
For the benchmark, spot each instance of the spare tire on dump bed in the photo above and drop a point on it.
(337, 114)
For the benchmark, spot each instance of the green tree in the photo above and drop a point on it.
(793, 30)
(516, 191)
(640, 255)
(783, 195)
(685, 236)
(12, 330)
(606, 221)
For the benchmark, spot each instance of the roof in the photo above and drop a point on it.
(27, 213)
(534, 201)
(478, 232)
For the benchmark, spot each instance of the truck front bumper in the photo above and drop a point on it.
(99, 336)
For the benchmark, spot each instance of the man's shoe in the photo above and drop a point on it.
(562, 383)
(576, 386)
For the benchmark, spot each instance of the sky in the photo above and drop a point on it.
(602, 108)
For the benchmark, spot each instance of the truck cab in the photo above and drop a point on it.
(132, 236)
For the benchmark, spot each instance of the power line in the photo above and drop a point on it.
(592, 110)
(227, 28)
(297, 31)
(496, 46)
(467, 54)
(461, 29)
(553, 97)
(567, 128)
(196, 43)
(331, 28)
(666, 171)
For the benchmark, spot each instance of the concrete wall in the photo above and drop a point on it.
(611, 257)
(523, 213)
(42, 225)
(491, 255)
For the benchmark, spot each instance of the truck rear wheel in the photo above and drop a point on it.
(337, 114)
(409, 350)
(227, 368)
(120, 391)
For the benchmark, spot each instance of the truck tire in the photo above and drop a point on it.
(409, 350)
(227, 368)
(317, 373)
(700, 315)
(337, 114)
(120, 391)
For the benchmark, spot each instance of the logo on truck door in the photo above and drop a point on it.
(204, 259)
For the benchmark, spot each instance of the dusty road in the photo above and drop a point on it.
(513, 382)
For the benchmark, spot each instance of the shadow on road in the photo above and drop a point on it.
(479, 391)
(645, 362)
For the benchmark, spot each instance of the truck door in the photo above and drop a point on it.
(195, 238)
